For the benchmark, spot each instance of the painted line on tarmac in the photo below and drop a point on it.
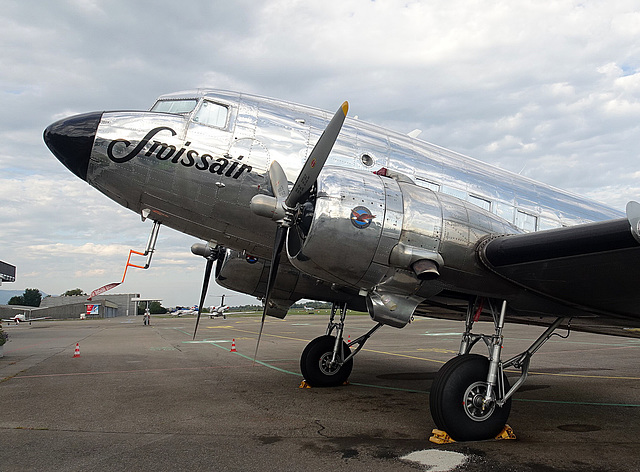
(177, 369)
(213, 343)
(436, 361)
(611, 347)
(581, 376)
(74, 374)
(442, 362)
(562, 402)
(367, 350)
(427, 333)
(398, 389)
(297, 374)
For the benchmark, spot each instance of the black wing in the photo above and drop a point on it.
(593, 267)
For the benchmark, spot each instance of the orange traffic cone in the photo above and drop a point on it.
(233, 346)
(77, 352)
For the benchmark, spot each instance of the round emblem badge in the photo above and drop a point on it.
(361, 217)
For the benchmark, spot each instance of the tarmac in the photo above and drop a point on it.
(149, 398)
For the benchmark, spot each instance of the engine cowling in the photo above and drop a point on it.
(388, 238)
(361, 224)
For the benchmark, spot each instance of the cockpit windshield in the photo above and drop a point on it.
(178, 107)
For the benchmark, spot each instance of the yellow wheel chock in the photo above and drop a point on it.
(441, 437)
(305, 384)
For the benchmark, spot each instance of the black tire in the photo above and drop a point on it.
(314, 359)
(453, 385)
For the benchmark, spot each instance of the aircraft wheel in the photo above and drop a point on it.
(455, 400)
(315, 361)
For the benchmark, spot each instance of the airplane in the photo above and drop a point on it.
(370, 220)
(23, 317)
(221, 310)
(179, 311)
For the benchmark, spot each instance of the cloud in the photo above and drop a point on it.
(551, 90)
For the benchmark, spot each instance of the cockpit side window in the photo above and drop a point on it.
(178, 107)
(212, 114)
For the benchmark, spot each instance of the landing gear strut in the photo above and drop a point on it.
(327, 361)
(470, 396)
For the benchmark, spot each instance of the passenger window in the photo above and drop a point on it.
(503, 210)
(546, 223)
(454, 192)
(427, 184)
(526, 221)
(481, 202)
(212, 114)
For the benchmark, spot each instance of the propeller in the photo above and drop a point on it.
(211, 254)
(283, 206)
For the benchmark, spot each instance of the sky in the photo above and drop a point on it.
(550, 90)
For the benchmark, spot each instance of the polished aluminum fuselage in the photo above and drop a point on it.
(200, 180)
(213, 204)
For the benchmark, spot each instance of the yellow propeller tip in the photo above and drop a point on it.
(345, 108)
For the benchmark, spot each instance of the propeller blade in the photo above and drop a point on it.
(278, 244)
(278, 180)
(205, 287)
(304, 182)
(317, 158)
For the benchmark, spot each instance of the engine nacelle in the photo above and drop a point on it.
(248, 274)
(360, 225)
(387, 238)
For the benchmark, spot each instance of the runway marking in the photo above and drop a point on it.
(254, 360)
(439, 362)
(438, 350)
(566, 402)
(611, 347)
(436, 361)
(297, 374)
(582, 376)
(136, 371)
(269, 364)
(427, 333)
(9, 351)
(628, 342)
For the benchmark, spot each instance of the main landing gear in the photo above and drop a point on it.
(470, 396)
(327, 361)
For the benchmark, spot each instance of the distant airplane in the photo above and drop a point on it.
(25, 317)
(179, 311)
(370, 220)
(215, 311)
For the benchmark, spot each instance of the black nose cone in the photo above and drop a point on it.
(71, 141)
